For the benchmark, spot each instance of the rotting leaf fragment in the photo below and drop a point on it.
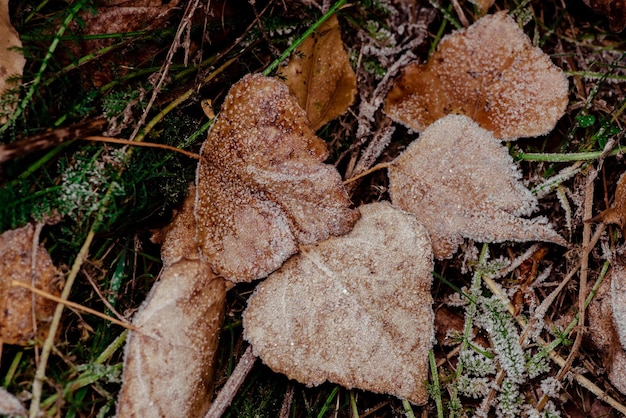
(490, 72)
(461, 182)
(262, 187)
(355, 310)
(319, 74)
(16, 303)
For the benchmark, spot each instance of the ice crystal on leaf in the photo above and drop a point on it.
(461, 182)
(490, 72)
(262, 188)
(355, 310)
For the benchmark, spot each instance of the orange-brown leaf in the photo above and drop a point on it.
(355, 310)
(616, 214)
(262, 187)
(490, 72)
(319, 74)
(16, 303)
(461, 182)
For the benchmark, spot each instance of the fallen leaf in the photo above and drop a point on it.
(354, 310)
(11, 61)
(461, 182)
(490, 72)
(261, 188)
(319, 74)
(616, 214)
(10, 405)
(169, 359)
(180, 236)
(16, 303)
(614, 10)
(618, 299)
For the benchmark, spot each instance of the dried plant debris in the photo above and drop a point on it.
(604, 322)
(16, 303)
(354, 310)
(180, 236)
(490, 72)
(169, 360)
(11, 62)
(618, 297)
(461, 182)
(614, 10)
(616, 214)
(319, 74)
(262, 188)
(10, 405)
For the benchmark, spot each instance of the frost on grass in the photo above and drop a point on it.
(490, 72)
(461, 182)
(354, 310)
(262, 187)
(17, 304)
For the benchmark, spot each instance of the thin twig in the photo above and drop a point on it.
(142, 144)
(229, 390)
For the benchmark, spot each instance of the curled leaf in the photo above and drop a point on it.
(16, 303)
(616, 214)
(355, 310)
(262, 188)
(169, 359)
(461, 182)
(319, 74)
(490, 72)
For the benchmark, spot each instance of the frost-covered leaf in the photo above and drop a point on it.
(461, 182)
(262, 188)
(10, 405)
(355, 310)
(618, 298)
(319, 74)
(16, 303)
(616, 214)
(169, 360)
(11, 61)
(490, 72)
(180, 236)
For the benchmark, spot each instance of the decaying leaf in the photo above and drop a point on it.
(180, 237)
(615, 10)
(490, 72)
(618, 298)
(616, 214)
(10, 405)
(605, 319)
(319, 74)
(16, 303)
(11, 61)
(169, 359)
(262, 188)
(461, 182)
(355, 310)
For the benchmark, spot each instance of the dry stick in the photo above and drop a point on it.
(365, 173)
(229, 390)
(33, 275)
(142, 144)
(74, 305)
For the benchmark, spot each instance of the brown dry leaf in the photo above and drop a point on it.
(180, 236)
(615, 10)
(169, 360)
(11, 61)
(10, 405)
(16, 303)
(319, 74)
(618, 298)
(262, 188)
(490, 72)
(354, 310)
(461, 182)
(616, 214)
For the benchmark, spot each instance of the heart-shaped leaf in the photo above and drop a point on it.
(490, 72)
(262, 188)
(355, 310)
(461, 182)
(319, 74)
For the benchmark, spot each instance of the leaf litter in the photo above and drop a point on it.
(490, 72)
(354, 310)
(461, 182)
